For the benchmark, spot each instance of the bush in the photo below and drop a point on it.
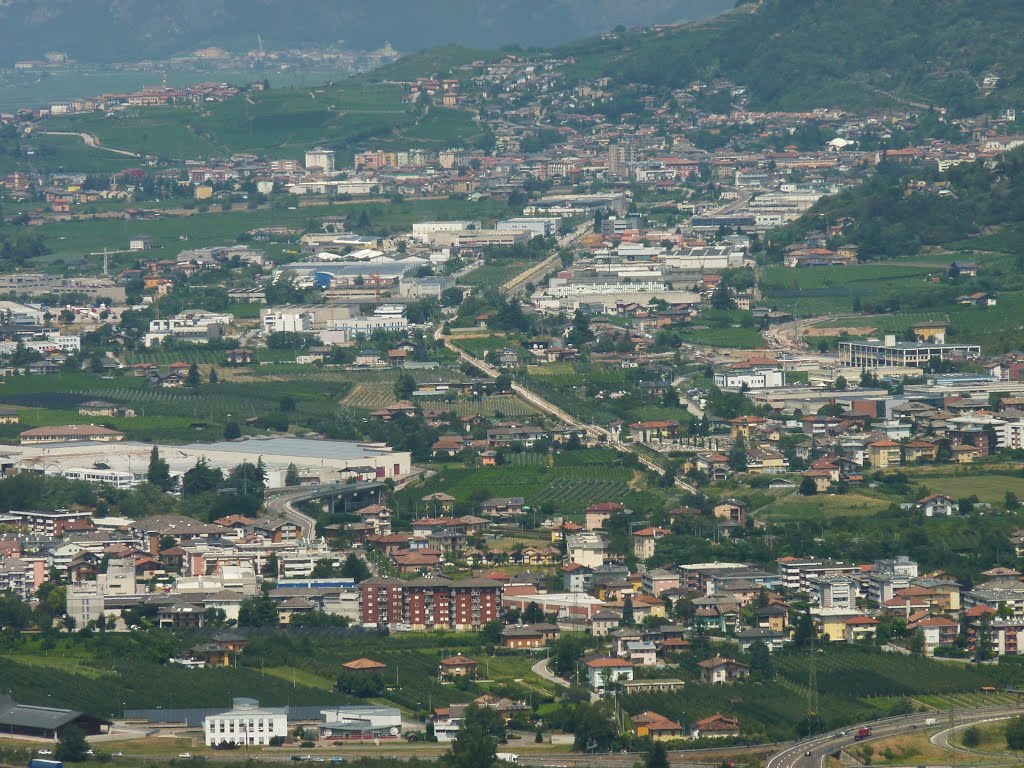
(277, 741)
(1015, 733)
(972, 737)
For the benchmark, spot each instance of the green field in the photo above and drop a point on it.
(494, 274)
(853, 684)
(280, 123)
(990, 488)
(172, 234)
(575, 480)
(796, 507)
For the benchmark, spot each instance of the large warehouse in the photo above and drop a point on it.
(124, 464)
(45, 722)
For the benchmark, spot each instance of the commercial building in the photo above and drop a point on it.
(536, 226)
(245, 723)
(361, 722)
(320, 159)
(71, 433)
(901, 354)
(45, 722)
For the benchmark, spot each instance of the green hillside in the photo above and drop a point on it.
(901, 209)
(282, 122)
(797, 54)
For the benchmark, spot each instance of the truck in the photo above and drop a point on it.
(931, 721)
(37, 762)
(508, 757)
(862, 733)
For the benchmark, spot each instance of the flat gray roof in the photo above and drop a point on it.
(288, 446)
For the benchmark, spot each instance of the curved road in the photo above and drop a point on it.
(90, 141)
(813, 752)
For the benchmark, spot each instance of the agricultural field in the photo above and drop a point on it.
(854, 685)
(180, 415)
(494, 274)
(795, 507)
(987, 487)
(493, 406)
(567, 485)
(479, 346)
(281, 122)
(740, 338)
(172, 233)
(826, 290)
(584, 390)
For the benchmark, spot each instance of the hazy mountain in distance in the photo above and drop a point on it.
(131, 30)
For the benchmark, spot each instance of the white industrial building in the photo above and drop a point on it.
(537, 226)
(246, 723)
(361, 722)
(426, 231)
(124, 464)
(320, 159)
(760, 379)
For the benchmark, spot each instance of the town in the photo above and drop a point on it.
(488, 406)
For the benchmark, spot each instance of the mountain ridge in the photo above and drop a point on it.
(104, 31)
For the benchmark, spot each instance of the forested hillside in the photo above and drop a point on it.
(796, 54)
(900, 209)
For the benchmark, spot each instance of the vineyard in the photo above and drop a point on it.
(576, 480)
(769, 711)
(863, 673)
(591, 401)
(499, 406)
(495, 274)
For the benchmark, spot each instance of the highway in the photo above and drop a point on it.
(814, 752)
(550, 263)
(282, 504)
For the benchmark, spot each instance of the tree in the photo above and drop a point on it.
(287, 404)
(840, 383)
(533, 614)
(192, 378)
(214, 378)
(972, 737)
(722, 298)
(808, 487)
(291, 476)
(159, 472)
(803, 634)
(202, 478)
(72, 746)
(761, 660)
(473, 747)
(738, 456)
(1015, 733)
(405, 386)
(232, 431)
(1011, 500)
(916, 644)
(269, 569)
(355, 568)
(259, 611)
(657, 756)
(627, 611)
(593, 727)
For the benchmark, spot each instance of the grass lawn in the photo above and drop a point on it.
(300, 676)
(797, 507)
(908, 749)
(990, 488)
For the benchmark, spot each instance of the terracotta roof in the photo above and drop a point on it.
(364, 663)
(605, 663)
